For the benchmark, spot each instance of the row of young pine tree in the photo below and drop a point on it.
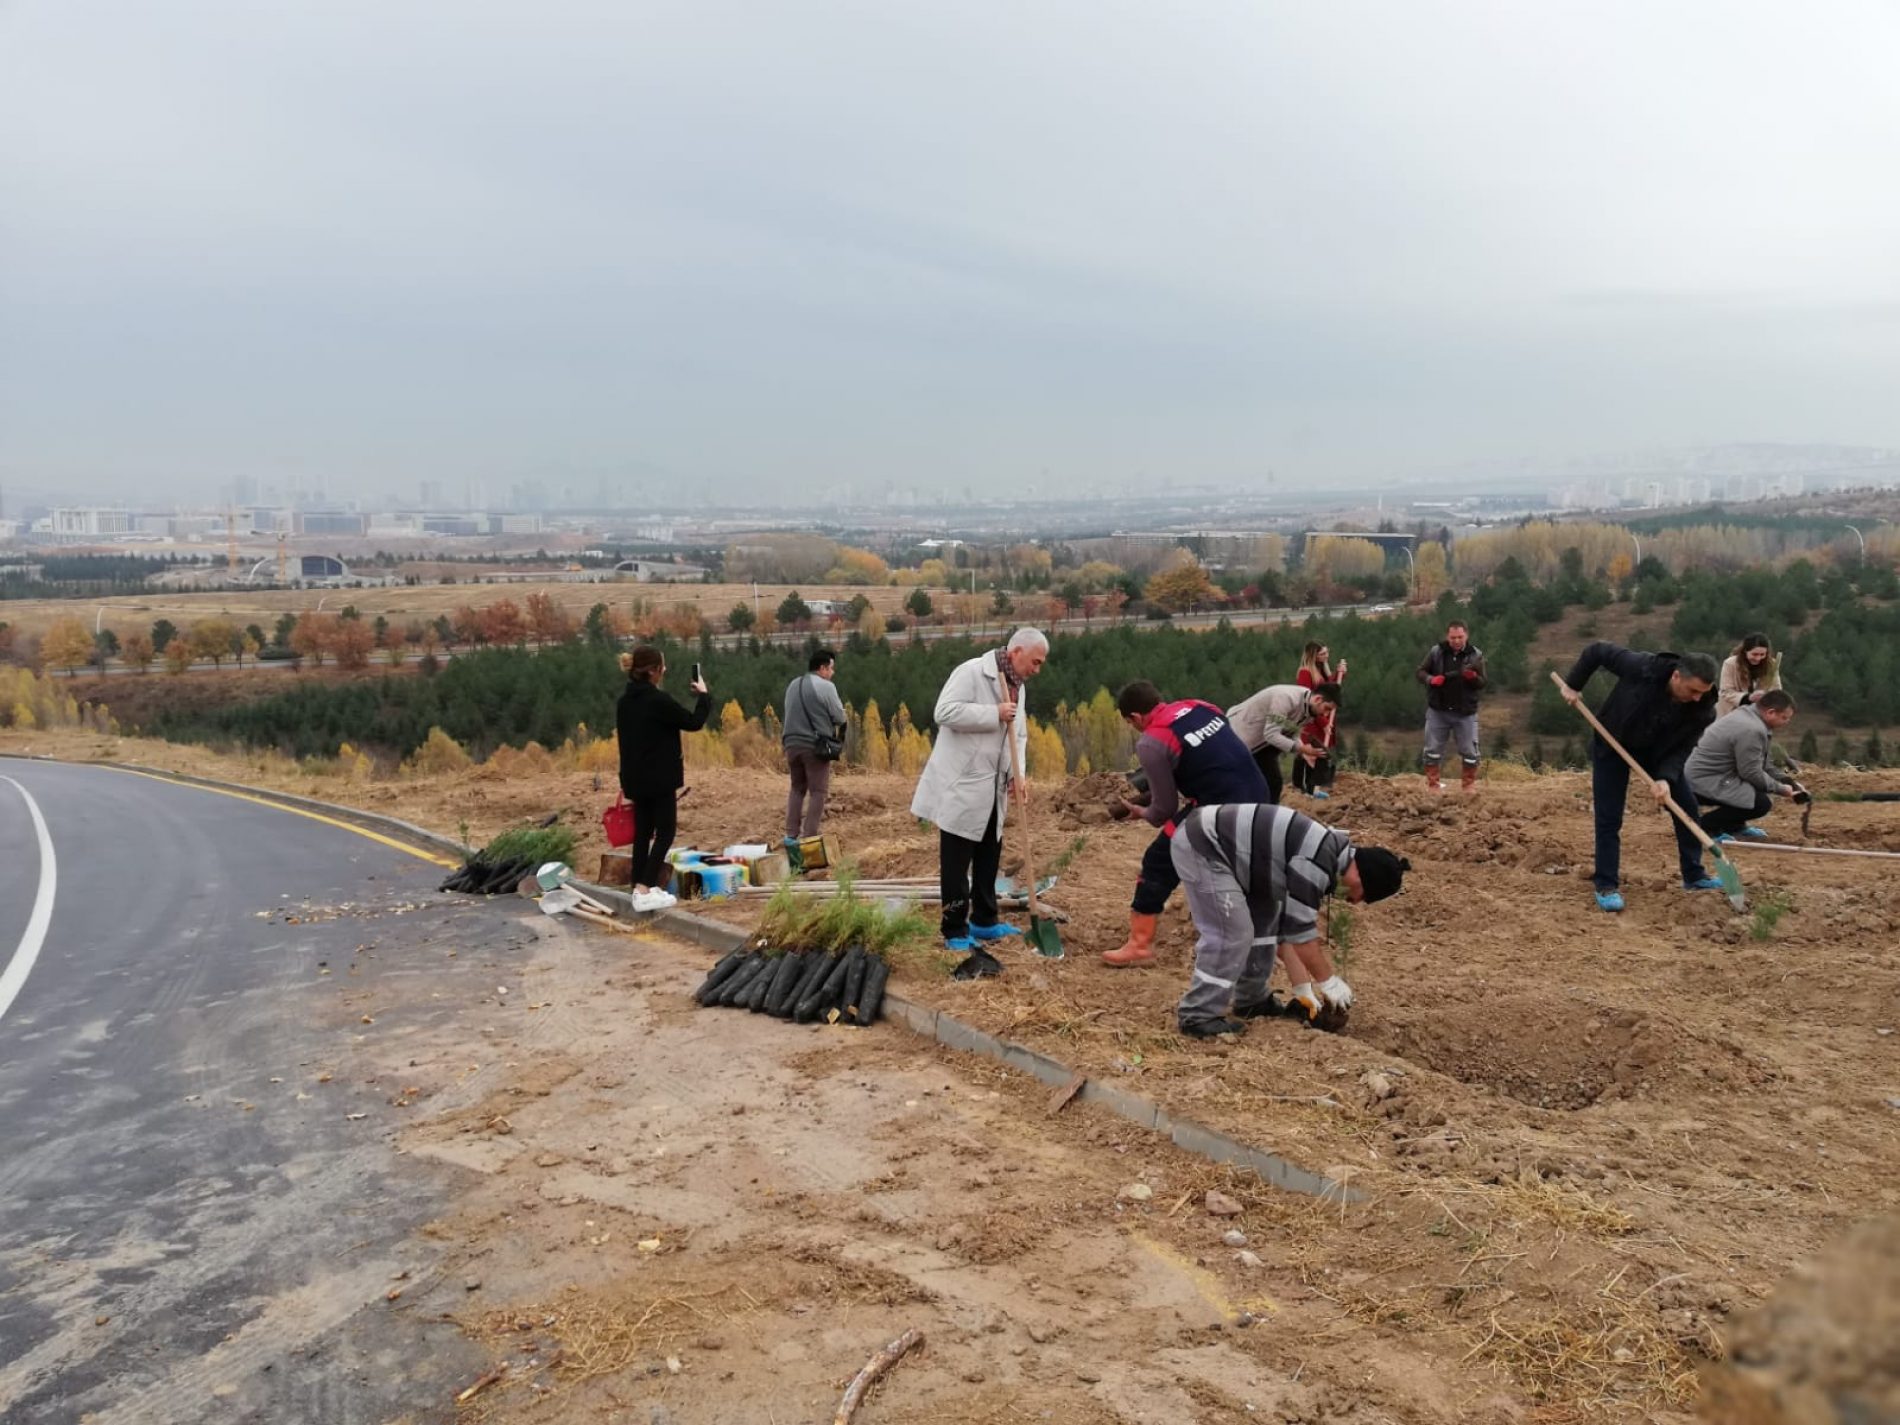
(1839, 648)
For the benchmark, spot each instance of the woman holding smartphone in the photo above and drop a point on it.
(652, 769)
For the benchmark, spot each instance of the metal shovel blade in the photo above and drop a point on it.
(1044, 938)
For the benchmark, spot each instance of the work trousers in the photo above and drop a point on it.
(1267, 758)
(1157, 879)
(966, 874)
(1609, 790)
(655, 819)
(811, 783)
(1441, 726)
(1721, 819)
(1233, 958)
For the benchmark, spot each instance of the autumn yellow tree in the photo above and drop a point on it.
(1111, 741)
(874, 748)
(1336, 558)
(1433, 576)
(212, 638)
(910, 748)
(858, 566)
(1180, 588)
(67, 644)
(1048, 759)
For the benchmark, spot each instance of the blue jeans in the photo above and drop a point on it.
(1609, 790)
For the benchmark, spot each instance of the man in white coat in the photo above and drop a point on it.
(965, 790)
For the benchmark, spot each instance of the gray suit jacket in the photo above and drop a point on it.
(1730, 763)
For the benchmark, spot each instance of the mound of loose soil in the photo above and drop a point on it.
(1081, 802)
(1823, 1351)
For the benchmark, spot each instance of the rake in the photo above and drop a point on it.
(1725, 871)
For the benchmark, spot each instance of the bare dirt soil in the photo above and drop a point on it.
(1586, 1144)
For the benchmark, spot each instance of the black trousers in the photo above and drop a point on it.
(1721, 819)
(966, 875)
(1267, 759)
(655, 820)
(1309, 777)
(1158, 877)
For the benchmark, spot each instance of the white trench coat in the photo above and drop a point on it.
(968, 773)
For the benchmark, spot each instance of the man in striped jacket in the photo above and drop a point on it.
(1255, 878)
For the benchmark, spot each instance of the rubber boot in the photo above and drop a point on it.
(1469, 783)
(1431, 778)
(1140, 949)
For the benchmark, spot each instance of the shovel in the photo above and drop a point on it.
(1725, 871)
(1042, 935)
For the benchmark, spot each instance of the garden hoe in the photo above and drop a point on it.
(1042, 935)
(1725, 871)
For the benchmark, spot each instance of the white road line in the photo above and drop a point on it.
(13, 978)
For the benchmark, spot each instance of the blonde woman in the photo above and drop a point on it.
(1316, 667)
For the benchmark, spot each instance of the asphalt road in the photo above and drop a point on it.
(192, 1227)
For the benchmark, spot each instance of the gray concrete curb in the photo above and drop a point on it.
(951, 1032)
(939, 1025)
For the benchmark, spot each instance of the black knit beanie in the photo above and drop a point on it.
(1380, 871)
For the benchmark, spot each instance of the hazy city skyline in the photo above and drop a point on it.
(358, 248)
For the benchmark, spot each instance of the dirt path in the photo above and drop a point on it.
(685, 1215)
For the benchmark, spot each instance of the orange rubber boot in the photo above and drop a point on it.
(1431, 777)
(1140, 949)
(1470, 781)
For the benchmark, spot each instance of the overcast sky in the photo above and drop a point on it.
(945, 244)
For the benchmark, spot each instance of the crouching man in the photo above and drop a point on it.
(1730, 770)
(1255, 877)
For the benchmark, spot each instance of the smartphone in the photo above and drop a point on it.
(697, 678)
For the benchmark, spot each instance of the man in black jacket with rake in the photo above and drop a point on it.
(1661, 705)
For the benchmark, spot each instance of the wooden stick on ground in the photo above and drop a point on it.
(482, 1384)
(862, 1382)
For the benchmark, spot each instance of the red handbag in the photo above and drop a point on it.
(617, 822)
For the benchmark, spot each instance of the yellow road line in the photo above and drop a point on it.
(435, 858)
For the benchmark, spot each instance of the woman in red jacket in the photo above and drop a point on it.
(1316, 667)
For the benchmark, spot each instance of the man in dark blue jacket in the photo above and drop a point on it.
(1661, 705)
(1191, 757)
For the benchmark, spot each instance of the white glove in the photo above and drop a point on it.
(1337, 992)
(1308, 999)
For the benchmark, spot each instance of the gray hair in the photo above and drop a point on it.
(1700, 666)
(1028, 638)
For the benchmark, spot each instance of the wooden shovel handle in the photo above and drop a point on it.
(1695, 829)
(1029, 851)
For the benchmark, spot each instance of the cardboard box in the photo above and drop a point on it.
(616, 868)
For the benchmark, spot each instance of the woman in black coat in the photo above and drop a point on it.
(649, 724)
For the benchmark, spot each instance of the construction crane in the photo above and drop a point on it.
(282, 560)
(230, 538)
